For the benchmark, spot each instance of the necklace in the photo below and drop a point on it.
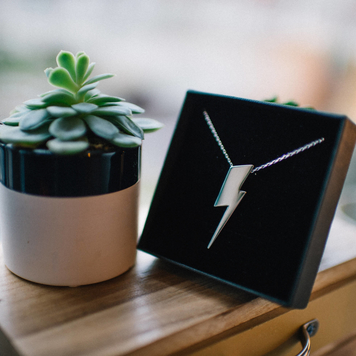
(230, 194)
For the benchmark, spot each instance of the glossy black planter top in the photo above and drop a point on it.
(40, 172)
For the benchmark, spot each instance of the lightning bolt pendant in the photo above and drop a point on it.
(230, 194)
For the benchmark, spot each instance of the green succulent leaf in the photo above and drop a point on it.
(61, 111)
(104, 100)
(91, 94)
(82, 67)
(17, 136)
(101, 127)
(99, 77)
(84, 108)
(20, 113)
(127, 125)
(148, 125)
(291, 103)
(19, 108)
(56, 91)
(60, 77)
(12, 120)
(79, 54)
(89, 71)
(33, 119)
(59, 98)
(124, 140)
(274, 99)
(135, 109)
(48, 71)
(112, 110)
(67, 147)
(83, 90)
(67, 61)
(35, 104)
(5, 127)
(67, 128)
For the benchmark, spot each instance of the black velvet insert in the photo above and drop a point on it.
(267, 242)
(41, 172)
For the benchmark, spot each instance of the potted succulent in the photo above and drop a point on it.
(70, 173)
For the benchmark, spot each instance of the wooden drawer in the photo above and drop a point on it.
(335, 310)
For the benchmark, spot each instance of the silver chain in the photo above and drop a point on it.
(263, 166)
(217, 138)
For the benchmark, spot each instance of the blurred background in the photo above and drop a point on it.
(302, 50)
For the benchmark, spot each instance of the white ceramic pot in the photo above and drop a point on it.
(69, 241)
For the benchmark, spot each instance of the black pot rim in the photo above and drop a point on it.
(93, 172)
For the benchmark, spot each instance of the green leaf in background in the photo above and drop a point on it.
(60, 77)
(274, 99)
(61, 111)
(67, 61)
(288, 103)
(17, 136)
(67, 128)
(148, 125)
(127, 125)
(67, 147)
(82, 67)
(98, 77)
(101, 127)
(33, 119)
(291, 103)
(84, 108)
(124, 140)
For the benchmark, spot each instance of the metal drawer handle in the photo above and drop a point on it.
(308, 329)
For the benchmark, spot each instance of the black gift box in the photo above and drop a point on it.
(273, 242)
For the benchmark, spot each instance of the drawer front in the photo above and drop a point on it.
(335, 311)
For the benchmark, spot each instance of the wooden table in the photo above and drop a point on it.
(157, 309)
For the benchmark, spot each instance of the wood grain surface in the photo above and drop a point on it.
(156, 308)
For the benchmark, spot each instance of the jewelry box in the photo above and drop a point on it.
(248, 192)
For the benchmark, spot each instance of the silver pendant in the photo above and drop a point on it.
(231, 194)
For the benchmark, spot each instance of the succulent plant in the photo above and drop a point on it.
(76, 114)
